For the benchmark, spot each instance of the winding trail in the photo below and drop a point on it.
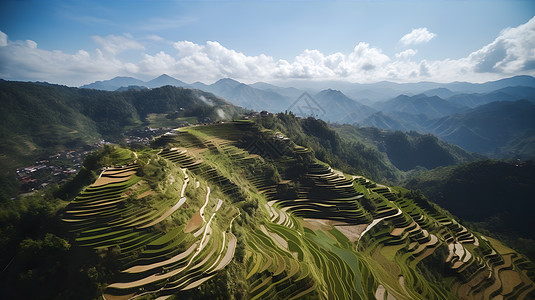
(375, 222)
(186, 181)
(201, 211)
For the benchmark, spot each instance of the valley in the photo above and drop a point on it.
(192, 205)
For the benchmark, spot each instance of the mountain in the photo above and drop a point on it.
(396, 121)
(289, 92)
(407, 151)
(114, 83)
(383, 121)
(440, 92)
(503, 94)
(381, 91)
(224, 86)
(432, 107)
(339, 108)
(246, 96)
(488, 129)
(403, 111)
(273, 207)
(487, 87)
(164, 80)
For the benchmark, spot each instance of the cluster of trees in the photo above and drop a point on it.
(36, 257)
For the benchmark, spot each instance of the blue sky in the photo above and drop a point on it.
(77, 42)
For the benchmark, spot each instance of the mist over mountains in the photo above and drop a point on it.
(456, 112)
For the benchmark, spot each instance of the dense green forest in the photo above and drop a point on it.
(408, 150)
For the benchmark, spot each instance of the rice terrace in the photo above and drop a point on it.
(267, 150)
(204, 212)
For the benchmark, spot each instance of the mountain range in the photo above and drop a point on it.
(39, 120)
(446, 110)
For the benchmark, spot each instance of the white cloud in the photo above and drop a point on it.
(155, 38)
(24, 60)
(417, 36)
(512, 51)
(115, 44)
(406, 54)
(3, 39)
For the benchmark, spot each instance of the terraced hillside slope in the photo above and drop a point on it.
(234, 210)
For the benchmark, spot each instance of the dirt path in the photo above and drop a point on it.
(186, 181)
(201, 211)
(375, 222)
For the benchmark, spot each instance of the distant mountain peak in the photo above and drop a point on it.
(227, 80)
(332, 93)
(114, 83)
(165, 79)
(164, 76)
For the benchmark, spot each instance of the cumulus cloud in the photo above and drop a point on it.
(114, 44)
(406, 54)
(358, 64)
(417, 36)
(24, 60)
(512, 51)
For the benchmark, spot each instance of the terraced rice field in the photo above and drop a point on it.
(317, 234)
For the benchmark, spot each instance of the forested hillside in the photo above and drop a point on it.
(39, 119)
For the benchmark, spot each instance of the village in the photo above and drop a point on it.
(57, 168)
